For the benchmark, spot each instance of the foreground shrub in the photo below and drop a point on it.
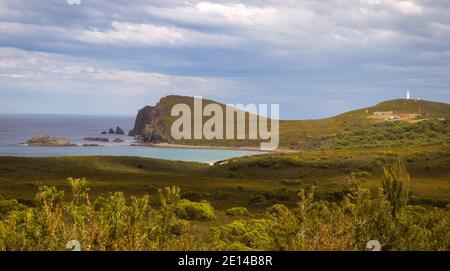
(344, 225)
(110, 223)
(114, 222)
(202, 211)
(277, 210)
(7, 206)
(396, 185)
(241, 235)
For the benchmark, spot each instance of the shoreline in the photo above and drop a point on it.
(181, 146)
(171, 146)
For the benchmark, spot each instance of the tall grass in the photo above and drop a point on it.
(396, 184)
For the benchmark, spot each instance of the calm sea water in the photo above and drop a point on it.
(18, 128)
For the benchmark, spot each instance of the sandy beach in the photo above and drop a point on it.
(181, 146)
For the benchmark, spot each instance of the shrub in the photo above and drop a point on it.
(114, 222)
(7, 206)
(396, 185)
(237, 212)
(292, 182)
(202, 211)
(362, 175)
(258, 200)
(241, 235)
(277, 210)
(179, 227)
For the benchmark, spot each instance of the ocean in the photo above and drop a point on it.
(18, 128)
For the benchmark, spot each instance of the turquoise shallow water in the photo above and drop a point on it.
(16, 129)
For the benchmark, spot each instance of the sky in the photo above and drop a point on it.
(314, 58)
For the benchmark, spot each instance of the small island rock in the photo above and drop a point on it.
(98, 139)
(47, 141)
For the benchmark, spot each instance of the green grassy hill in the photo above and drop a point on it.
(255, 181)
(294, 134)
(312, 134)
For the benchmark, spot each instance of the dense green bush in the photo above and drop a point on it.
(394, 134)
(277, 210)
(7, 206)
(202, 211)
(265, 198)
(238, 212)
(240, 235)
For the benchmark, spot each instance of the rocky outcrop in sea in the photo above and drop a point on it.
(47, 141)
(97, 139)
(119, 131)
(118, 140)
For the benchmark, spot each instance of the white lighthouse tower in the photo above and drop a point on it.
(408, 96)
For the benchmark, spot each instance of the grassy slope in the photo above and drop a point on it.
(241, 182)
(307, 134)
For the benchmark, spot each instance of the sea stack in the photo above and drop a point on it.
(119, 131)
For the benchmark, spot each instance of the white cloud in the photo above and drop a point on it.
(46, 73)
(130, 34)
(218, 14)
(283, 26)
(404, 6)
(136, 33)
(296, 26)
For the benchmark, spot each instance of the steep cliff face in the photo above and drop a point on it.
(153, 123)
(150, 124)
(142, 119)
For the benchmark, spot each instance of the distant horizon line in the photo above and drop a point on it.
(69, 114)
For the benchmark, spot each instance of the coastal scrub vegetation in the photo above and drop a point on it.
(169, 222)
(391, 134)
